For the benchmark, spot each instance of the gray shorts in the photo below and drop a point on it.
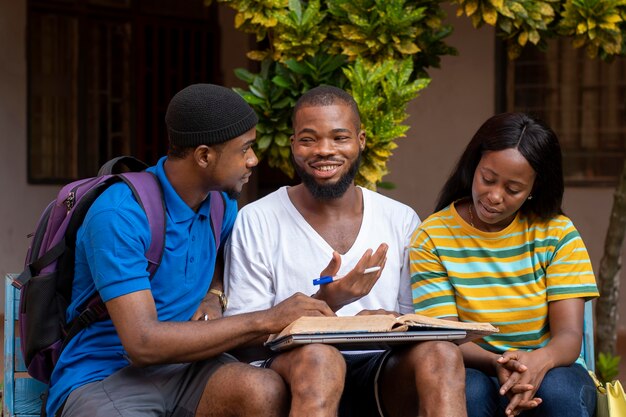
(161, 390)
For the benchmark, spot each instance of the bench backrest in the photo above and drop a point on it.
(588, 332)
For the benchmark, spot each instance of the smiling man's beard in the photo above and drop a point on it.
(328, 191)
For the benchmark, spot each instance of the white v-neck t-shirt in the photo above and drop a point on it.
(273, 252)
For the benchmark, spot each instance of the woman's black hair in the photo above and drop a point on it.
(534, 140)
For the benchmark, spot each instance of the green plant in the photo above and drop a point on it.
(518, 22)
(382, 91)
(597, 25)
(607, 367)
(378, 50)
(255, 16)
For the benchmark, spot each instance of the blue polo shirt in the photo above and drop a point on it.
(110, 257)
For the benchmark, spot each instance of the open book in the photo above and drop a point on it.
(382, 323)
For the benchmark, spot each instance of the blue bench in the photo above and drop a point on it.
(588, 332)
(22, 394)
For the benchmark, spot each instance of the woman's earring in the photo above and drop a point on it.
(530, 197)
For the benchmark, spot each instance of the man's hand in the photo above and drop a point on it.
(294, 307)
(354, 285)
(209, 309)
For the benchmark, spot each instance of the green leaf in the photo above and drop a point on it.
(296, 7)
(332, 63)
(283, 103)
(258, 91)
(534, 37)
(284, 151)
(297, 67)
(263, 142)
(386, 185)
(505, 25)
(607, 366)
(281, 139)
(281, 81)
(244, 75)
(253, 100)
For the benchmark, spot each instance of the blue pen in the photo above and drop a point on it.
(326, 279)
(323, 280)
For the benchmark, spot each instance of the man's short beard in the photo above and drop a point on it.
(328, 191)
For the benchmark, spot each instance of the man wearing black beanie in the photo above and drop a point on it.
(161, 353)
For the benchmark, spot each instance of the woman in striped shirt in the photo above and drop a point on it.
(499, 250)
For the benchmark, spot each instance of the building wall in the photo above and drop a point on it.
(444, 117)
(22, 203)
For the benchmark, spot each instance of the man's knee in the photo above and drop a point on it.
(310, 360)
(264, 388)
(427, 376)
(245, 390)
(315, 375)
(437, 357)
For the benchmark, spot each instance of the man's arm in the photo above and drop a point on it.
(149, 341)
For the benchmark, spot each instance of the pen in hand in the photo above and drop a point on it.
(326, 279)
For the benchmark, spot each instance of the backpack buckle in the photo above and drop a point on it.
(100, 310)
(86, 317)
(19, 281)
(95, 312)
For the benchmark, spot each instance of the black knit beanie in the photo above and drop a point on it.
(206, 114)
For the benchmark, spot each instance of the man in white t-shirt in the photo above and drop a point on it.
(327, 223)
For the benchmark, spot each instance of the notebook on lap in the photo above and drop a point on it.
(364, 341)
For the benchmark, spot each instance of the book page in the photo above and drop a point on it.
(418, 320)
(474, 330)
(380, 323)
(347, 324)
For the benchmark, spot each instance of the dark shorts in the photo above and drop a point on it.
(360, 395)
(161, 390)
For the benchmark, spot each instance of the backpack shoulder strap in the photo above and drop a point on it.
(122, 164)
(147, 190)
(217, 209)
